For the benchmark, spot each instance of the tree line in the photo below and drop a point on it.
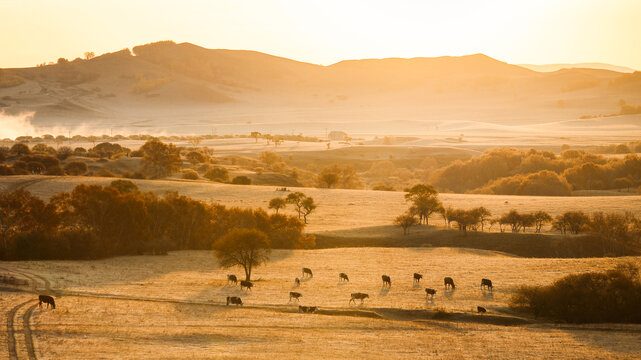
(619, 234)
(93, 221)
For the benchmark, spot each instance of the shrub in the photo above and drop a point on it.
(20, 149)
(76, 168)
(241, 180)
(124, 186)
(218, 174)
(190, 174)
(611, 296)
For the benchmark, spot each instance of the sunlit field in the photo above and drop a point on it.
(338, 209)
(109, 319)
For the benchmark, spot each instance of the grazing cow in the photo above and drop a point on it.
(430, 292)
(234, 300)
(386, 280)
(358, 296)
(417, 278)
(481, 309)
(231, 278)
(307, 309)
(297, 281)
(246, 284)
(307, 271)
(294, 295)
(343, 277)
(487, 283)
(47, 300)
(449, 282)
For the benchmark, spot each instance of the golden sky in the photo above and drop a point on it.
(327, 31)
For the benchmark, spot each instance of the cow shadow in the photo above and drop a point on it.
(384, 291)
(449, 293)
(488, 295)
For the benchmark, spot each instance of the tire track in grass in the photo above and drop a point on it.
(28, 338)
(11, 331)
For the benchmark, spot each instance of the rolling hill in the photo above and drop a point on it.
(184, 88)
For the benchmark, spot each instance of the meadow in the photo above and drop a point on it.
(174, 307)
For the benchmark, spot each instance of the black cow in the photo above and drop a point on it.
(343, 277)
(297, 282)
(417, 278)
(449, 282)
(386, 281)
(234, 300)
(294, 295)
(430, 292)
(486, 283)
(358, 296)
(246, 284)
(480, 309)
(47, 300)
(231, 278)
(307, 271)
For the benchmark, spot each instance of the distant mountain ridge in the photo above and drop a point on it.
(556, 67)
(164, 84)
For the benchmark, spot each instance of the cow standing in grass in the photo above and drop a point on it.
(449, 282)
(343, 277)
(234, 300)
(358, 296)
(246, 284)
(307, 272)
(417, 278)
(430, 292)
(387, 281)
(47, 300)
(231, 278)
(294, 295)
(486, 284)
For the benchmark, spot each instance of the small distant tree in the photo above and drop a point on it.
(89, 55)
(255, 135)
(247, 248)
(424, 200)
(406, 221)
(329, 177)
(20, 149)
(64, 152)
(190, 174)
(308, 207)
(277, 204)
(541, 218)
(465, 219)
(483, 214)
(160, 158)
(512, 218)
(296, 199)
(447, 213)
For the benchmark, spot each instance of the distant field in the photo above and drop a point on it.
(197, 324)
(337, 209)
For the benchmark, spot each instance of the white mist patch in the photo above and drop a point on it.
(12, 126)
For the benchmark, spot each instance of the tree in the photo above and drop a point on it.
(161, 159)
(247, 248)
(329, 176)
(255, 135)
(465, 219)
(483, 214)
(572, 221)
(308, 207)
(512, 218)
(20, 149)
(296, 199)
(89, 55)
(424, 201)
(64, 152)
(277, 204)
(447, 213)
(540, 218)
(406, 221)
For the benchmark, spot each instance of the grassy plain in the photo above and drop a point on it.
(188, 318)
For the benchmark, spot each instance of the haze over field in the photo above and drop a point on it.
(320, 179)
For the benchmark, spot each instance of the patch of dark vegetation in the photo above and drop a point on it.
(520, 244)
(613, 296)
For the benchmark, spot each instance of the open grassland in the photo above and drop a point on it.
(338, 209)
(187, 317)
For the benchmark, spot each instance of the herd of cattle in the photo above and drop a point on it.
(486, 284)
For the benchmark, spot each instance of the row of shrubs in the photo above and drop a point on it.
(94, 222)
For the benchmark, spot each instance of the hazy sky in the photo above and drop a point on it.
(327, 31)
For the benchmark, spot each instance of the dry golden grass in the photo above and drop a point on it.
(198, 325)
(338, 209)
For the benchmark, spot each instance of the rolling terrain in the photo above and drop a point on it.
(186, 89)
